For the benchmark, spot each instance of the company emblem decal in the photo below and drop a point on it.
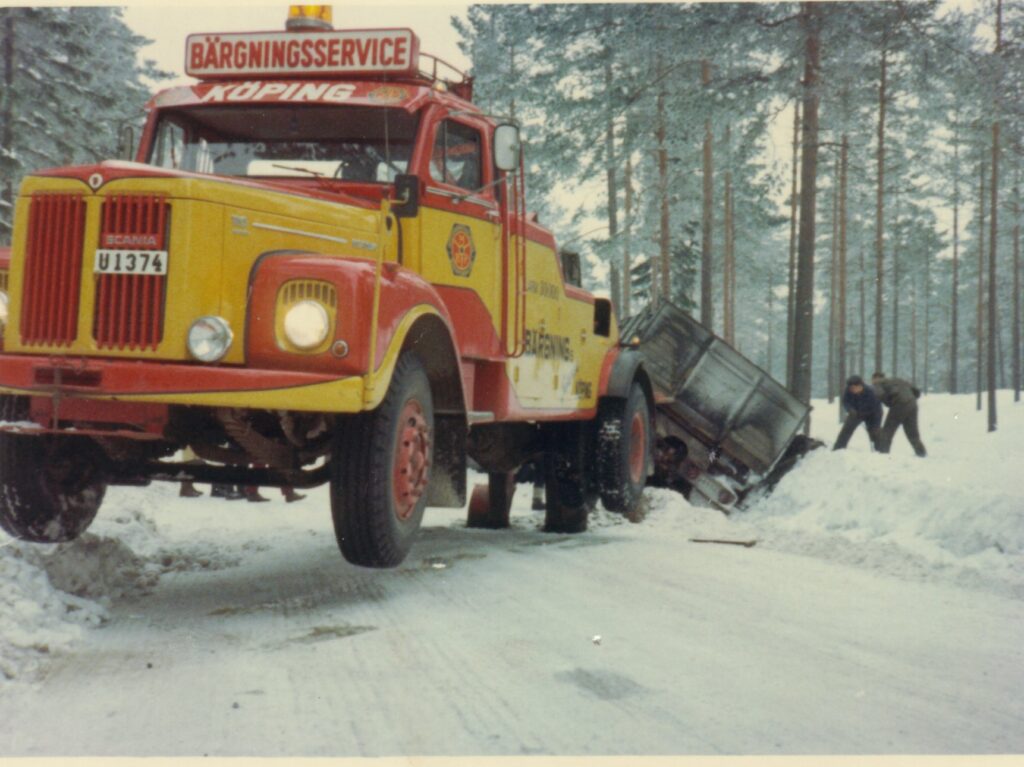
(388, 94)
(461, 250)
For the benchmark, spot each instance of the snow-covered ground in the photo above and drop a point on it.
(881, 611)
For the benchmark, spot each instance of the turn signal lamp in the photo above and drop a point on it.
(304, 18)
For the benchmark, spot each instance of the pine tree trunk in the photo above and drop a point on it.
(954, 342)
(913, 331)
(7, 134)
(615, 281)
(664, 240)
(927, 322)
(843, 170)
(1015, 334)
(810, 17)
(879, 211)
(895, 294)
(793, 207)
(609, 159)
(627, 230)
(862, 335)
(513, 77)
(999, 352)
(994, 239)
(979, 329)
(771, 309)
(728, 260)
(830, 382)
(707, 314)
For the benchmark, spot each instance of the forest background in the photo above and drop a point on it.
(884, 235)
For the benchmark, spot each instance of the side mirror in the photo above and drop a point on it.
(407, 196)
(506, 147)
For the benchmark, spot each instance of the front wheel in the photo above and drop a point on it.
(624, 450)
(381, 471)
(51, 488)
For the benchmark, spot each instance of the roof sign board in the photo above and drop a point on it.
(332, 53)
(281, 91)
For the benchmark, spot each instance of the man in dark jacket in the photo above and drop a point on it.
(862, 406)
(901, 398)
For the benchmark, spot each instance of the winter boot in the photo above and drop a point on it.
(290, 496)
(188, 490)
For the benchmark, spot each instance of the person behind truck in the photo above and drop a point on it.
(861, 406)
(901, 398)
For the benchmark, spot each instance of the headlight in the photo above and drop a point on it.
(209, 339)
(306, 325)
(4, 300)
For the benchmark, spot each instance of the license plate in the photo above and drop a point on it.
(144, 262)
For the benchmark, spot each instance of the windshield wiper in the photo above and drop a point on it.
(321, 179)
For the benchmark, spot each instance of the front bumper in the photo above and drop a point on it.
(178, 384)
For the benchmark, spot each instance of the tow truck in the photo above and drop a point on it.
(318, 269)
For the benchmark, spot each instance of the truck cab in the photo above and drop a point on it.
(318, 268)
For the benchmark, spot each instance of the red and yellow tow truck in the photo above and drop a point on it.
(318, 269)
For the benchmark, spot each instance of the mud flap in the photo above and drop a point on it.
(448, 480)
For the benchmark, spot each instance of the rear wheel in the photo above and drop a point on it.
(51, 488)
(381, 471)
(569, 490)
(624, 450)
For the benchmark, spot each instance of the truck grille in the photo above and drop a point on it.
(130, 308)
(53, 268)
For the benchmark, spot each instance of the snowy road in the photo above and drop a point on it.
(254, 637)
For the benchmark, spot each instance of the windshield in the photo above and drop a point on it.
(349, 143)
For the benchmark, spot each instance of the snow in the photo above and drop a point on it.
(880, 611)
(49, 593)
(956, 516)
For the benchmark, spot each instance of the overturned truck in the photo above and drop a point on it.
(723, 426)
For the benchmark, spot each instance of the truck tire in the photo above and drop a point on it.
(568, 485)
(381, 471)
(623, 450)
(51, 488)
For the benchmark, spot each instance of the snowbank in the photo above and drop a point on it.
(957, 515)
(36, 618)
(48, 594)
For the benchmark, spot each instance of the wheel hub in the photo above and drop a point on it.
(412, 459)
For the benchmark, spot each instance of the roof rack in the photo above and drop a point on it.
(440, 72)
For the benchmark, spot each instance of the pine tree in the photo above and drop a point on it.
(71, 83)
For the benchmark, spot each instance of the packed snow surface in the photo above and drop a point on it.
(880, 611)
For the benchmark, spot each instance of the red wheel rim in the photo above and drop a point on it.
(637, 449)
(412, 459)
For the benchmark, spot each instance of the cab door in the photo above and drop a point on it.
(461, 230)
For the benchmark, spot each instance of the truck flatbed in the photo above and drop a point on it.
(722, 422)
